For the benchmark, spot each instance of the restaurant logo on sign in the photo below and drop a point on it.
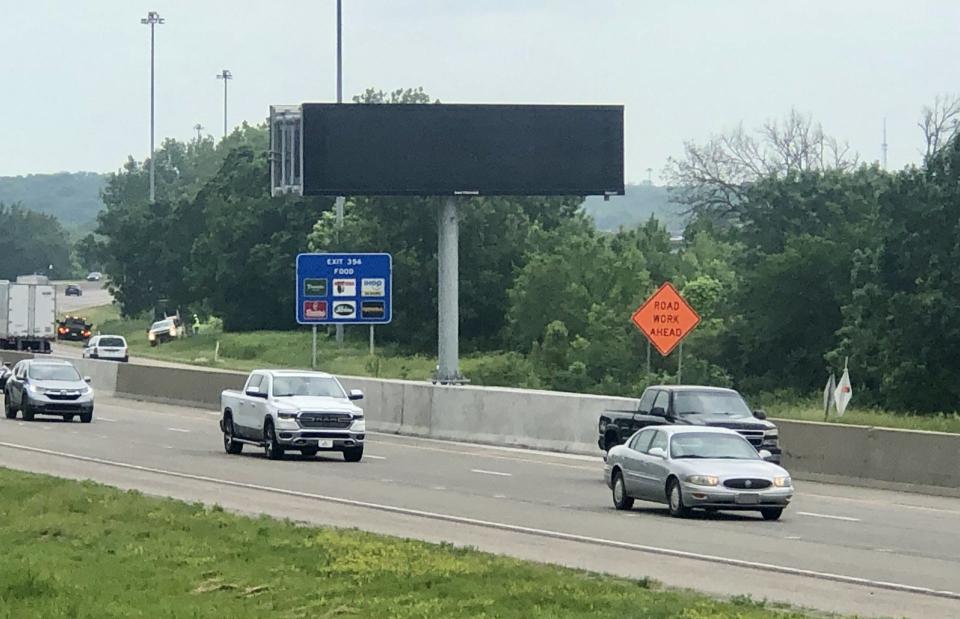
(665, 318)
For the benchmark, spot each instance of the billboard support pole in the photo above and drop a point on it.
(448, 332)
(338, 204)
(371, 341)
(313, 357)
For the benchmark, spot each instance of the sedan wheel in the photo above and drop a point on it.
(675, 499)
(620, 498)
(771, 513)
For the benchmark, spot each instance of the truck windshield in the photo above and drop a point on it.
(710, 403)
(710, 445)
(287, 386)
(53, 372)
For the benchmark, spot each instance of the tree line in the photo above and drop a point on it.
(798, 256)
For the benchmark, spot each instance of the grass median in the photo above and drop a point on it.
(78, 549)
(291, 349)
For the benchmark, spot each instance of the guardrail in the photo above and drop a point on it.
(567, 422)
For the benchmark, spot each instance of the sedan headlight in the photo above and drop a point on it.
(288, 414)
(782, 482)
(703, 480)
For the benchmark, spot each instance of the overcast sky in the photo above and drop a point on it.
(74, 76)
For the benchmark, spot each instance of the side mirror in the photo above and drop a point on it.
(658, 412)
(355, 394)
(764, 454)
(254, 392)
(759, 414)
(658, 452)
(87, 379)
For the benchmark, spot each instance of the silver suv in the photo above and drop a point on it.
(47, 387)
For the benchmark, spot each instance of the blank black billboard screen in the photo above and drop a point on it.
(440, 149)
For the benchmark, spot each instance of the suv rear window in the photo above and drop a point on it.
(116, 342)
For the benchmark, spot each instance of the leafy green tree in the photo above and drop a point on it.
(32, 242)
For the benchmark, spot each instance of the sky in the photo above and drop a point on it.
(74, 76)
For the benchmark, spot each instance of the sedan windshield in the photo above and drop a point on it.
(53, 372)
(711, 445)
(287, 386)
(710, 403)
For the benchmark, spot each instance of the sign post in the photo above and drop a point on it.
(666, 319)
(344, 289)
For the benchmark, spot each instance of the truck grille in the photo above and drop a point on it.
(754, 436)
(325, 420)
(747, 484)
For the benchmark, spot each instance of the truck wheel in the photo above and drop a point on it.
(86, 417)
(309, 451)
(230, 446)
(25, 409)
(8, 411)
(353, 454)
(271, 449)
(620, 498)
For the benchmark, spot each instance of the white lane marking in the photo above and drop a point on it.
(883, 550)
(107, 419)
(792, 537)
(883, 503)
(828, 516)
(178, 430)
(491, 456)
(168, 446)
(499, 496)
(485, 472)
(519, 450)
(369, 457)
(439, 488)
(513, 528)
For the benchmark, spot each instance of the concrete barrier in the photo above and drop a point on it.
(887, 458)
(13, 357)
(567, 422)
(102, 374)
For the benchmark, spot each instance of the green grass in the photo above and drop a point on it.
(246, 351)
(78, 549)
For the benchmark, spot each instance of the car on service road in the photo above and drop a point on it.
(94, 276)
(282, 410)
(47, 387)
(690, 405)
(689, 467)
(73, 291)
(74, 328)
(110, 347)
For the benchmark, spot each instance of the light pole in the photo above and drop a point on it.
(225, 75)
(198, 128)
(338, 203)
(152, 19)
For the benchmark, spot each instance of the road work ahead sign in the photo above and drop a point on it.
(666, 318)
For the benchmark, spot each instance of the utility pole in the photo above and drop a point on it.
(225, 75)
(649, 176)
(152, 19)
(884, 145)
(198, 128)
(338, 203)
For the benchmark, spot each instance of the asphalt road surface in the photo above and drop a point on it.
(837, 548)
(94, 295)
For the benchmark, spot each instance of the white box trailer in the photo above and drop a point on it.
(28, 316)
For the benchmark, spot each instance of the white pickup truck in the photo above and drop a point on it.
(282, 410)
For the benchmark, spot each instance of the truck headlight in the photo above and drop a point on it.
(288, 414)
(771, 439)
(359, 424)
(703, 480)
(151, 336)
(783, 482)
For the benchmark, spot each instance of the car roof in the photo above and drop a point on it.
(682, 388)
(276, 373)
(671, 430)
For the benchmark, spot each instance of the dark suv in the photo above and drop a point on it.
(690, 405)
(74, 328)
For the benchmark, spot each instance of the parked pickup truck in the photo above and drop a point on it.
(690, 405)
(281, 410)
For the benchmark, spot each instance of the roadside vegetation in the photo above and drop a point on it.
(291, 349)
(78, 549)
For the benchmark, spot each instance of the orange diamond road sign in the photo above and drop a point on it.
(666, 318)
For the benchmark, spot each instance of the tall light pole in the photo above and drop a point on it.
(338, 203)
(225, 75)
(152, 19)
(198, 128)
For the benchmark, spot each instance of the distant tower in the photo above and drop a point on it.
(198, 127)
(649, 176)
(884, 145)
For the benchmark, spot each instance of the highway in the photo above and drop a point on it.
(903, 548)
(94, 295)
